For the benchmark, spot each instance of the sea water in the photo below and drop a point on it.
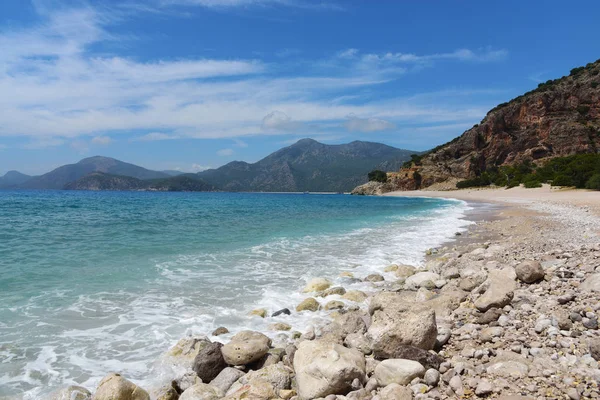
(94, 282)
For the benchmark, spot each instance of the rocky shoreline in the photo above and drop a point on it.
(507, 311)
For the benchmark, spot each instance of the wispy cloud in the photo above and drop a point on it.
(225, 152)
(225, 4)
(62, 91)
(102, 140)
(356, 124)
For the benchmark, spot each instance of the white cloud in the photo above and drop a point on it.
(102, 140)
(198, 167)
(224, 4)
(62, 91)
(356, 124)
(225, 152)
(279, 121)
(153, 136)
(240, 143)
(348, 53)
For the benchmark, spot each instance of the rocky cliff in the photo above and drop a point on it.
(559, 118)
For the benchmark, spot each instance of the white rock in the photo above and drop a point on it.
(398, 371)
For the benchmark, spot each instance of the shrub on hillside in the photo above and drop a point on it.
(378, 176)
(593, 183)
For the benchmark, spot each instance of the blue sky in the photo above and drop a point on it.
(192, 84)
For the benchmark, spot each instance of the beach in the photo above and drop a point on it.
(507, 307)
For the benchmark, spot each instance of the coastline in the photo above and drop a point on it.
(533, 339)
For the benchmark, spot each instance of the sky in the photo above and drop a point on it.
(194, 84)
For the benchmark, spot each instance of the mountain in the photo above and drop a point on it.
(308, 166)
(103, 181)
(172, 172)
(59, 177)
(559, 118)
(13, 179)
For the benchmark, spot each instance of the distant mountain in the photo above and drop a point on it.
(12, 179)
(103, 181)
(309, 166)
(58, 178)
(172, 172)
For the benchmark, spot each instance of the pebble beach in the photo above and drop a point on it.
(506, 310)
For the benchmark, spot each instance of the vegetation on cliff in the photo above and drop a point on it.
(517, 140)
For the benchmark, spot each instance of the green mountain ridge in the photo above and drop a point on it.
(309, 166)
(103, 181)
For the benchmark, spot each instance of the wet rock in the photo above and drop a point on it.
(398, 371)
(280, 326)
(355, 295)
(374, 278)
(334, 305)
(396, 323)
(283, 311)
(166, 393)
(209, 362)
(404, 271)
(72, 392)
(220, 331)
(186, 381)
(334, 290)
(324, 368)
(259, 312)
(530, 271)
(317, 285)
(246, 347)
(115, 387)
(309, 304)
(226, 378)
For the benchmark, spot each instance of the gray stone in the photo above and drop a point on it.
(72, 392)
(530, 271)
(484, 387)
(209, 362)
(432, 377)
(395, 392)
(226, 378)
(283, 311)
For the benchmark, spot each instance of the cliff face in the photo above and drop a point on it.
(559, 118)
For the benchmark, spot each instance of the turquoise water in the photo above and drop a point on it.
(92, 282)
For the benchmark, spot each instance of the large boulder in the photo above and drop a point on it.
(72, 392)
(226, 379)
(398, 371)
(246, 347)
(209, 362)
(397, 323)
(317, 285)
(201, 391)
(115, 387)
(186, 350)
(309, 304)
(278, 376)
(500, 286)
(257, 390)
(530, 271)
(404, 271)
(324, 368)
(422, 279)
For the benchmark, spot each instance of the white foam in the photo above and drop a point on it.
(196, 293)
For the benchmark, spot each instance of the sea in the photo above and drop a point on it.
(94, 282)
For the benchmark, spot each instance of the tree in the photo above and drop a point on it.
(378, 176)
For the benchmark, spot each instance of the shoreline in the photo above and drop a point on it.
(533, 342)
